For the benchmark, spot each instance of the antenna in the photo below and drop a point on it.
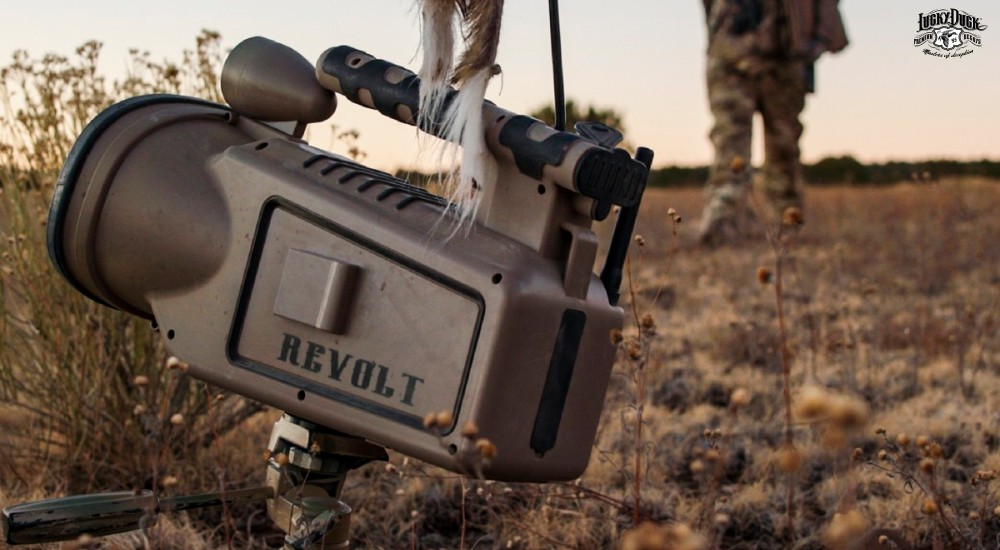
(557, 70)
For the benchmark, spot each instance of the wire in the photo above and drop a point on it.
(557, 69)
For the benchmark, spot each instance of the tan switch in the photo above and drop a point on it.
(316, 290)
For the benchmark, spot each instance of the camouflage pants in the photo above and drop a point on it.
(776, 90)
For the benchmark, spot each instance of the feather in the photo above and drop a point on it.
(462, 121)
(481, 20)
(464, 124)
(438, 44)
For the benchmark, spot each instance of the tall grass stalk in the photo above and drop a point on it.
(98, 407)
(780, 242)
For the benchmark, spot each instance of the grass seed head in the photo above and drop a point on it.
(616, 336)
(430, 420)
(737, 164)
(141, 381)
(169, 481)
(650, 536)
(633, 350)
(438, 420)
(848, 413)
(444, 419)
(845, 529)
(929, 507)
(764, 275)
(173, 363)
(934, 450)
(470, 430)
(789, 459)
(739, 398)
(647, 323)
(792, 217)
(813, 403)
(486, 448)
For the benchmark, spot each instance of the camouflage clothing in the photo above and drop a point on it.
(760, 54)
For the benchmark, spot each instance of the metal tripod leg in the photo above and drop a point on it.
(307, 470)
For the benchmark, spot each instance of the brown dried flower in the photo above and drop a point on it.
(486, 448)
(616, 336)
(792, 217)
(789, 459)
(763, 275)
(739, 398)
(470, 430)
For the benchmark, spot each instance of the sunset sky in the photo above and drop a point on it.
(881, 99)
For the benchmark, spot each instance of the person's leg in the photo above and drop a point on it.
(782, 98)
(731, 99)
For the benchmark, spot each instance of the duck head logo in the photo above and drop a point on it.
(948, 38)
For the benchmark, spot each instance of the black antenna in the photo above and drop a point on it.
(557, 70)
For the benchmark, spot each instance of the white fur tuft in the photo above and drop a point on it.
(464, 125)
(438, 44)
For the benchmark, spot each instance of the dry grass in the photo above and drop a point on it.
(879, 346)
(890, 299)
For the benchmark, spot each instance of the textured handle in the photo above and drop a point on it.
(371, 82)
(607, 175)
(102, 514)
(67, 518)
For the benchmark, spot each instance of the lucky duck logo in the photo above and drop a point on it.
(948, 33)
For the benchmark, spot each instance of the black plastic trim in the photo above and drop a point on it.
(557, 381)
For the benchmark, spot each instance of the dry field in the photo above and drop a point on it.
(890, 305)
(834, 385)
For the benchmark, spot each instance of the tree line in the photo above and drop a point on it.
(848, 170)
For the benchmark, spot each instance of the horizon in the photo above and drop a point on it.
(881, 100)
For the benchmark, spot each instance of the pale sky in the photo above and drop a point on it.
(881, 99)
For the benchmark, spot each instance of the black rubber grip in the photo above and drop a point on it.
(531, 156)
(606, 175)
(370, 76)
(611, 176)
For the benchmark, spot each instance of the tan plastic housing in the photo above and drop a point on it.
(339, 294)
